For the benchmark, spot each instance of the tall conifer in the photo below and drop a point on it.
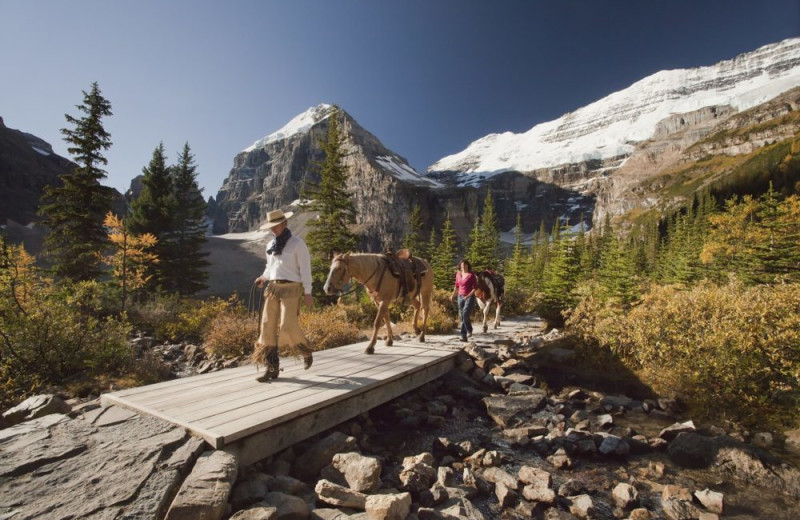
(151, 212)
(187, 262)
(330, 232)
(75, 209)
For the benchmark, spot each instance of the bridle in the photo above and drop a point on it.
(357, 284)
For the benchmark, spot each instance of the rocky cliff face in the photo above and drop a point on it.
(612, 157)
(27, 165)
(271, 173)
(608, 148)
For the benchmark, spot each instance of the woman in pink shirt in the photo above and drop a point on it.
(466, 283)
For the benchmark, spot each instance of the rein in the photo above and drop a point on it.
(362, 284)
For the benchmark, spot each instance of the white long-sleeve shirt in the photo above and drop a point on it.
(293, 264)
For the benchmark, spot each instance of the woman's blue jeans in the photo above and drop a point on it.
(465, 306)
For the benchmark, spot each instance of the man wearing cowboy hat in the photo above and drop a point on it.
(288, 277)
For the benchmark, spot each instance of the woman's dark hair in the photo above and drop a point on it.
(466, 263)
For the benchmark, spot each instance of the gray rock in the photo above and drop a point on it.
(763, 440)
(35, 407)
(247, 493)
(288, 507)
(677, 509)
(625, 496)
(508, 411)
(388, 506)
(671, 432)
(256, 513)
(691, 450)
(582, 506)
(535, 476)
(711, 500)
(361, 473)
(792, 442)
(500, 476)
(560, 459)
(320, 454)
(337, 495)
(417, 476)
(205, 492)
(539, 493)
(324, 513)
(505, 497)
(55, 461)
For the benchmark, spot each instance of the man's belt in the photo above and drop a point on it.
(281, 281)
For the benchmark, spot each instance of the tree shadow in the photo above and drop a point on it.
(564, 362)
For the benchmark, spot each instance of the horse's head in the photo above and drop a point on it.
(338, 276)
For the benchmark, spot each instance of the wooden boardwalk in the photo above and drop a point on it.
(234, 412)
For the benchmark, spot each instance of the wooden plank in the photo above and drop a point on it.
(261, 418)
(231, 399)
(265, 443)
(252, 392)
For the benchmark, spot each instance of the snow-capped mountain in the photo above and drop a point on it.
(272, 172)
(611, 127)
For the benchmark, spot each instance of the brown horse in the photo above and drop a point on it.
(373, 272)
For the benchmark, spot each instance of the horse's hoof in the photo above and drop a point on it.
(370, 350)
(421, 338)
(388, 343)
(485, 330)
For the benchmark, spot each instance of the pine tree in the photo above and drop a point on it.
(432, 246)
(559, 279)
(616, 275)
(185, 272)
(331, 232)
(484, 246)
(75, 209)
(518, 265)
(151, 212)
(413, 239)
(445, 260)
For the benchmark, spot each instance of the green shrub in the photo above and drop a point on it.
(53, 333)
(722, 349)
(195, 317)
(155, 316)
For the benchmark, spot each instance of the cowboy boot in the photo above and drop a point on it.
(272, 366)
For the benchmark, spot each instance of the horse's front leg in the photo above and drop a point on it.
(383, 308)
(497, 314)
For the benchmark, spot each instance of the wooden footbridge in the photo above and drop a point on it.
(234, 412)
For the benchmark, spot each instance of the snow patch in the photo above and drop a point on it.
(404, 172)
(300, 124)
(40, 151)
(611, 126)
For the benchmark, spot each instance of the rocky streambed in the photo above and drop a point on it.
(507, 434)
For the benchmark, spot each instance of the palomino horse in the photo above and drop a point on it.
(491, 288)
(373, 272)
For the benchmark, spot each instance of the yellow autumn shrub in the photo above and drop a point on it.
(727, 348)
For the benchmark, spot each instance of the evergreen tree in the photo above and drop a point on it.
(445, 260)
(474, 249)
(331, 232)
(413, 239)
(559, 280)
(185, 270)
(540, 252)
(616, 275)
(151, 212)
(432, 246)
(518, 265)
(75, 209)
(484, 246)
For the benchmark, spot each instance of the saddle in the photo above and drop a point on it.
(408, 269)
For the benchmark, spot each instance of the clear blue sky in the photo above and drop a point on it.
(427, 77)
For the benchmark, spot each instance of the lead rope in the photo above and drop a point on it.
(255, 300)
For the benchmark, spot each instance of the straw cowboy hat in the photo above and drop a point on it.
(275, 217)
